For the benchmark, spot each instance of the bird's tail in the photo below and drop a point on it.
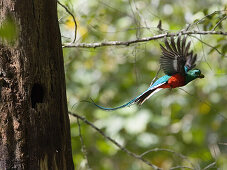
(138, 100)
(146, 95)
(114, 108)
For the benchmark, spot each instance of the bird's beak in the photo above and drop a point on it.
(201, 76)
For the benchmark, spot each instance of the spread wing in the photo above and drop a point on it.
(176, 56)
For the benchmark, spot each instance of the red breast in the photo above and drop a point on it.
(174, 81)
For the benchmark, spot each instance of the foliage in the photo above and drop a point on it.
(191, 123)
(8, 30)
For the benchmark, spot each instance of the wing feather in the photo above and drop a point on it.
(166, 53)
(173, 45)
(178, 44)
(187, 48)
(176, 56)
(183, 45)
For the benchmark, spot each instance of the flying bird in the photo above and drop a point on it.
(177, 63)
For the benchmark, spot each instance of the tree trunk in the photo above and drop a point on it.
(34, 123)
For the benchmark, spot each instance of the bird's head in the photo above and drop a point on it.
(193, 74)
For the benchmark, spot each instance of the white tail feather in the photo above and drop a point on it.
(155, 91)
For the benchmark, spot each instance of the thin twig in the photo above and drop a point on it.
(225, 118)
(127, 43)
(154, 79)
(205, 59)
(84, 151)
(114, 142)
(168, 150)
(181, 167)
(137, 21)
(209, 166)
(113, 8)
(222, 143)
(208, 45)
(74, 20)
(208, 15)
(209, 105)
(219, 22)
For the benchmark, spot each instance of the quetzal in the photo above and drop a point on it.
(177, 63)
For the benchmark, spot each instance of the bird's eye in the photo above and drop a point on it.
(197, 72)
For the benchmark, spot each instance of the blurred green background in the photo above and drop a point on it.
(192, 123)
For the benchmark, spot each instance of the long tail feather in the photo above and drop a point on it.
(155, 87)
(139, 99)
(114, 108)
(146, 96)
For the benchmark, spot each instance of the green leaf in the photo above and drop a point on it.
(8, 30)
(205, 11)
(224, 49)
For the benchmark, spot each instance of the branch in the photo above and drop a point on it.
(74, 20)
(173, 152)
(139, 157)
(219, 22)
(208, 15)
(181, 167)
(208, 45)
(209, 166)
(127, 43)
(223, 144)
(170, 151)
(114, 142)
(155, 78)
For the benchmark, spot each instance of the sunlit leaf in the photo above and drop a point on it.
(8, 30)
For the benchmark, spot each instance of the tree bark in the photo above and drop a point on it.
(34, 123)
